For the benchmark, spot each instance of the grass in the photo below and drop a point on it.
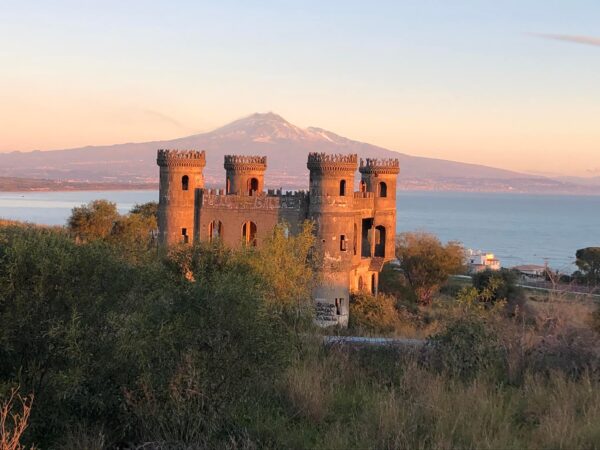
(351, 400)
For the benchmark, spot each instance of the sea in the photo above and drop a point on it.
(517, 228)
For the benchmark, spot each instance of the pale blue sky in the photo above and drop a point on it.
(453, 79)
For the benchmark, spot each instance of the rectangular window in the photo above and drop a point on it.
(184, 235)
(343, 242)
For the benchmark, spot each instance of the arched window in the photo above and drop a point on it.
(373, 284)
(343, 188)
(382, 189)
(363, 186)
(215, 230)
(185, 181)
(380, 241)
(228, 186)
(252, 186)
(249, 233)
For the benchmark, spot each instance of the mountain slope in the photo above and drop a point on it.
(285, 146)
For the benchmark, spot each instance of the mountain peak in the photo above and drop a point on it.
(266, 127)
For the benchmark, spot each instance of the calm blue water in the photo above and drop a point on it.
(519, 229)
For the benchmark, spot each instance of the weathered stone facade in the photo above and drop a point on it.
(356, 229)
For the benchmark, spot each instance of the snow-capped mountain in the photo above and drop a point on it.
(286, 147)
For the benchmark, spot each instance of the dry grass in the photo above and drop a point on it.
(14, 419)
(422, 410)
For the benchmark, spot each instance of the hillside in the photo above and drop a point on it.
(285, 146)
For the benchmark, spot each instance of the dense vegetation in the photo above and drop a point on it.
(121, 345)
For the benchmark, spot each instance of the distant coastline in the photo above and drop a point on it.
(14, 184)
(20, 184)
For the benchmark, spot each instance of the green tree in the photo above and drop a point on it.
(588, 261)
(149, 209)
(499, 285)
(426, 263)
(93, 221)
(134, 235)
(285, 264)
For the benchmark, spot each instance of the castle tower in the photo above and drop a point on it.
(379, 177)
(245, 175)
(180, 176)
(331, 208)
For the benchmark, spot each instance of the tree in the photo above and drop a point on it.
(427, 263)
(498, 285)
(133, 234)
(588, 261)
(149, 209)
(93, 221)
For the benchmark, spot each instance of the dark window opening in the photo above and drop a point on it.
(367, 226)
(228, 186)
(252, 186)
(382, 189)
(185, 181)
(339, 305)
(373, 284)
(215, 230)
(249, 234)
(343, 242)
(380, 241)
(343, 188)
(184, 235)
(363, 186)
(355, 240)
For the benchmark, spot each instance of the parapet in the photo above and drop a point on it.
(181, 158)
(332, 162)
(241, 162)
(380, 165)
(273, 200)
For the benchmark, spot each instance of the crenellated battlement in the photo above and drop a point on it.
(180, 158)
(379, 165)
(243, 162)
(270, 193)
(332, 162)
(273, 200)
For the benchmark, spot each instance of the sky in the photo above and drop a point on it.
(512, 83)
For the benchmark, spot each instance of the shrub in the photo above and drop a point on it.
(373, 314)
(572, 352)
(464, 350)
(499, 285)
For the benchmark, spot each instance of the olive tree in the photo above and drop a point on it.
(427, 263)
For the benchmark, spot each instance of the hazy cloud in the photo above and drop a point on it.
(164, 118)
(570, 38)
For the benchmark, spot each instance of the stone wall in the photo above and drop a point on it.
(233, 211)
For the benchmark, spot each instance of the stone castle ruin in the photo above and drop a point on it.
(356, 228)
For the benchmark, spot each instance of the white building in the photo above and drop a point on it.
(531, 270)
(478, 261)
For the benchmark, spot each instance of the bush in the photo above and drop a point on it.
(82, 324)
(499, 285)
(465, 350)
(373, 314)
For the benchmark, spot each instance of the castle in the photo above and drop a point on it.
(356, 229)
